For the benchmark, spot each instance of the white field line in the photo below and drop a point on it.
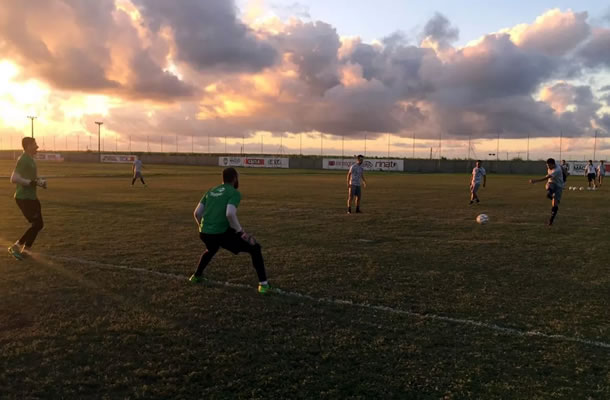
(366, 306)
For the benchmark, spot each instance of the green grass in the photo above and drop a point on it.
(76, 330)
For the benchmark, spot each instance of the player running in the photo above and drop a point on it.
(355, 178)
(25, 176)
(590, 173)
(478, 175)
(601, 172)
(554, 186)
(216, 216)
(137, 172)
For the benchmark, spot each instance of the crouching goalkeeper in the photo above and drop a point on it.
(216, 216)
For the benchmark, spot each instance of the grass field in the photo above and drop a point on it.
(71, 328)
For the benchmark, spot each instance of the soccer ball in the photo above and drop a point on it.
(482, 219)
(570, 188)
(582, 188)
(589, 188)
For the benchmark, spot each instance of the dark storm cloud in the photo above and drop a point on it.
(595, 53)
(313, 48)
(208, 34)
(439, 29)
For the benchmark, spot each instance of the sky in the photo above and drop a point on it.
(340, 77)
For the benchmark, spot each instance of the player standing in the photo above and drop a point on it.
(601, 172)
(554, 186)
(355, 178)
(590, 173)
(478, 175)
(25, 176)
(565, 167)
(137, 171)
(216, 216)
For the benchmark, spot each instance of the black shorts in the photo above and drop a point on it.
(230, 240)
(30, 208)
(591, 177)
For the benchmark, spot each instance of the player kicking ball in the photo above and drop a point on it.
(554, 186)
(216, 216)
(478, 175)
(25, 176)
(355, 180)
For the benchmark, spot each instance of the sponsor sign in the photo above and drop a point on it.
(49, 157)
(253, 162)
(371, 164)
(118, 158)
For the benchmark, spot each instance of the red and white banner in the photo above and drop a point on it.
(118, 158)
(253, 162)
(49, 157)
(371, 164)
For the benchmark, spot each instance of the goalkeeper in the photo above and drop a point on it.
(216, 216)
(25, 176)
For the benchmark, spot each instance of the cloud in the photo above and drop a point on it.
(438, 30)
(208, 34)
(595, 53)
(554, 33)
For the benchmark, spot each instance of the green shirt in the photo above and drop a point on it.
(215, 203)
(26, 168)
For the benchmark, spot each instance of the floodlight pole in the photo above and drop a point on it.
(365, 144)
(99, 135)
(528, 146)
(413, 155)
(32, 118)
(595, 146)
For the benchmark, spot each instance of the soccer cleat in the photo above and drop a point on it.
(358, 211)
(15, 252)
(263, 289)
(196, 279)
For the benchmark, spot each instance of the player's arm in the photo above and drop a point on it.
(19, 180)
(541, 179)
(349, 176)
(198, 214)
(484, 180)
(363, 179)
(232, 217)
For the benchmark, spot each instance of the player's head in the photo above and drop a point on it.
(29, 145)
(601, 161)
(478, 163)
(590, 161)
(359, 158)
(550, 163)
(563, 162)
(231, 177)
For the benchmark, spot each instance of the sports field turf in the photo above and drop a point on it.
(74, 325)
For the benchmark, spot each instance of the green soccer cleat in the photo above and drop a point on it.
(15, 252)
(264, 289)
(196, 279)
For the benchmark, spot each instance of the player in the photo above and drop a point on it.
(601, 173)
(216, 216)
(478, 175)
(554, 186)
(137, 172)
(565, 167)
(25, 176)
(355, 178)
(591, 173)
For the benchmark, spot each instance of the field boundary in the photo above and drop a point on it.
(367, 306)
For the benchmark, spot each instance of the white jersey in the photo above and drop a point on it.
(556, 177)
(137, 166)
(601, 170)
(357, 171)
(477, 175)
(590, 169)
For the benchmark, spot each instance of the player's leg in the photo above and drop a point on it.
(234, 243)
(555, 205)
(212, 243)
(358, 198)
(142, 180)
(350, 197)
(133, 180)
(31, 210)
